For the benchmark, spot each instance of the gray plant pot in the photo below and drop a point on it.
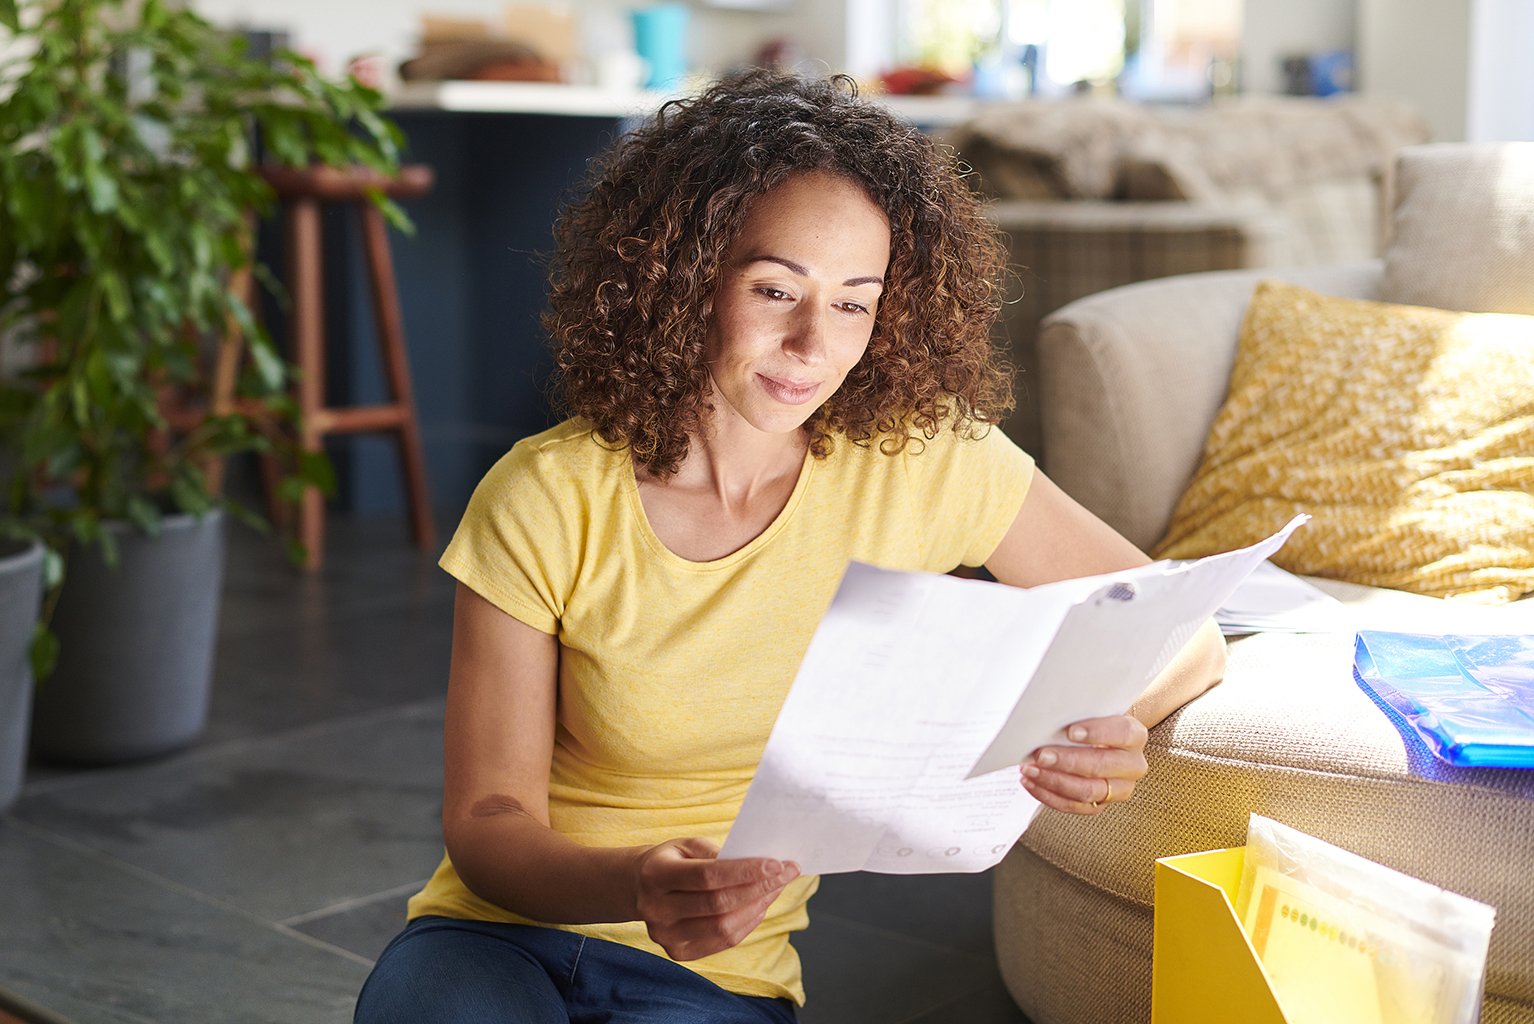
(135, 645)
(21, 588)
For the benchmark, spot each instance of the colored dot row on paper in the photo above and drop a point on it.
(1329, 931)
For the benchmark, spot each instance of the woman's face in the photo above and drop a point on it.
(796, 299)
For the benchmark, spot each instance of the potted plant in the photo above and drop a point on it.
(21, 577)
(126, 182)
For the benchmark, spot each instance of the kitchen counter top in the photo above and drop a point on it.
(598, 101)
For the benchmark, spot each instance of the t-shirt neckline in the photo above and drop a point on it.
(761, 540)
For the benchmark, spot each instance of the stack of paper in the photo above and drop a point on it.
(1271, 600)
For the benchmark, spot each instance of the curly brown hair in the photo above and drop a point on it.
(639, 253)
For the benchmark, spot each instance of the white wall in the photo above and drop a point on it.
(1466, 65)
(871, 28)
(1500, 104)
(820, 27)
(1419, 51)
(333, 31)
(1275, 29)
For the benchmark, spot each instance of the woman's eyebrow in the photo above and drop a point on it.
(851, 282)
(797, 268)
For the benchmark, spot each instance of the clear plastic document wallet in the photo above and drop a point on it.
(1348, 941)
(1470, 698)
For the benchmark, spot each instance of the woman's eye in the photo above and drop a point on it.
(775, 294)
(854, 307)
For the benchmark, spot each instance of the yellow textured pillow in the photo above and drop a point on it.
(1406, 432)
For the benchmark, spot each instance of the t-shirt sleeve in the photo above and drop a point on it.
(518, 543)
(967, 492)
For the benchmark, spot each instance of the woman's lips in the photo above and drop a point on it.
(789, 392)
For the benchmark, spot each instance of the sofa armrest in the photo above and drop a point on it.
(1130, 380)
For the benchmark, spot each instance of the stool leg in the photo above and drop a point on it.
(391, 336)
(278, 511)
(308, 343)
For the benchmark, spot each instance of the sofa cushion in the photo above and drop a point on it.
(1463, 233)
(1407, 433)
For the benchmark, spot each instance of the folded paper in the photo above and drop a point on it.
(918, 690)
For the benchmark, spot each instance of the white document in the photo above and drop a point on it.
(918, 689)
(1271, 600)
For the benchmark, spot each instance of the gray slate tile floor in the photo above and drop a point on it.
(255, 876)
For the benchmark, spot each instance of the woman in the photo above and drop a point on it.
(771, 315)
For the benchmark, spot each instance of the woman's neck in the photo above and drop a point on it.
(731, 486)
(735, 461)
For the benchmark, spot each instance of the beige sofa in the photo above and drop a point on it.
(1129, 382)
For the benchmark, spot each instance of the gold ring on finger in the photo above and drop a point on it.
(1107, 793)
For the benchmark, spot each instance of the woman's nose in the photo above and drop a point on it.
(807, 336)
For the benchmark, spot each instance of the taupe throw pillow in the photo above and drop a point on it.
(1464, 228)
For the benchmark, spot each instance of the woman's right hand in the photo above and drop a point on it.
(695, 904)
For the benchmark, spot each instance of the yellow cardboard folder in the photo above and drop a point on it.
(1206, 971)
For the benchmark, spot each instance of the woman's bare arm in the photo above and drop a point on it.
(1054, 538)
(502, 693)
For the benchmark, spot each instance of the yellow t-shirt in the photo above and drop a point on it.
(672, 672)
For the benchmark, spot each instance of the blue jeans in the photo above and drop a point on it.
(440, 969)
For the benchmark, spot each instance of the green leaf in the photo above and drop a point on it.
(98, 378)
(86, 528)
(290, 489)
(273, 285)
(391, 211)
(144, 514)
(285, 140)
(110, 553)
(44, 651)
(315, 468)
(191, 494)
(298, 553)
(237, 149)
(53, 568)
(267, 362)
(252, 519)
(81, 403)
(116, 291)
(154, 15)
(102, 188)
(383, 131)
(9, 16)
(158, 240)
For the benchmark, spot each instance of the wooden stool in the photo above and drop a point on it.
(301, 191)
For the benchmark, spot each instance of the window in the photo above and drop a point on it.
(1063, 41)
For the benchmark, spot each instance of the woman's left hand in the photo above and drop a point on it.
(1085, 779)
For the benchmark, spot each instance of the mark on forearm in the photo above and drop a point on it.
(496, 803)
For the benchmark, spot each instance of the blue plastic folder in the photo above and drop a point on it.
(1470, 698)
